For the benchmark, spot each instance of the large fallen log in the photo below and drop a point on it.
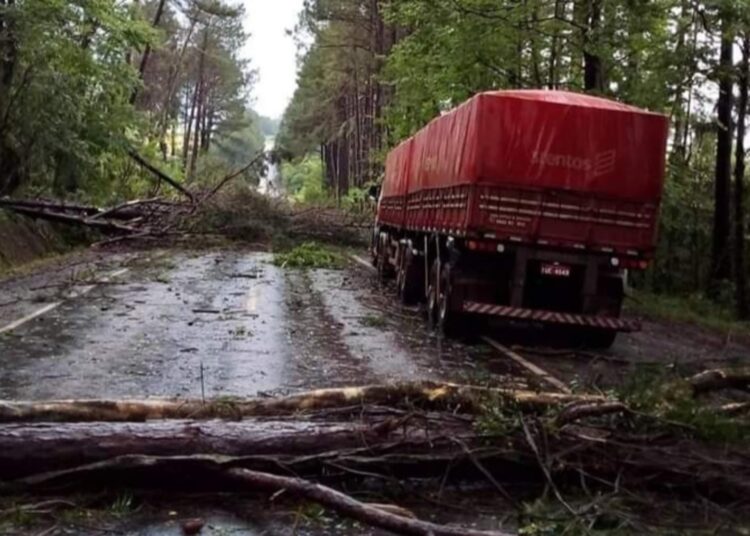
(64, 217)
(60, 206)
(418, 394)
(32, 448)
(717, 379)
(189, 454)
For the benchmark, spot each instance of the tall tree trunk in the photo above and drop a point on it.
(189, 128)
(720, 258)
(739, 186)
(197, 132)
(10, 159)
(197, 101)
(553, 53)
(593, 73)
(174, 71)
(147, 50)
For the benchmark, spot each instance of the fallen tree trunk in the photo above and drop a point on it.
(190, 455)
(63, 217)
(48, 204)
(32, 448)
(419, 394)
(717, 379)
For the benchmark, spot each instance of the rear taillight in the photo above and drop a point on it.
(480, 245)
(634, 264)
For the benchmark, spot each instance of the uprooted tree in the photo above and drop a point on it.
(556, 440)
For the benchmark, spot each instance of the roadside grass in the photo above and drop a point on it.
(373, 321)
(41, 263)
(693, 309)
(310, 255)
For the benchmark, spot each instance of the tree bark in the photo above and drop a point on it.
(419, 394)
(27, 449)
(720, 257)
(147, 50)
(199, 103)
(740, 274)
(593, 72)
(349, 507)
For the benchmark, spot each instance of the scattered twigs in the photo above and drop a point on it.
(119, 209)
(544, 466)
(223, 182)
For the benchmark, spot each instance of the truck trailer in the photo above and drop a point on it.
(528, 206)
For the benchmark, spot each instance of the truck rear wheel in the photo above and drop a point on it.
(385, 270)
(440, 316)
(432, 297)
(409, 281)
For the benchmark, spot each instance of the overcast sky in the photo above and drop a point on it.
(272, 51)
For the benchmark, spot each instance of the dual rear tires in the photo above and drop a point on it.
(409, 273)
(441, 315)
(409, 277)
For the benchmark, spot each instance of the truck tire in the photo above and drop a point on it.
(385, 270)
(409, 281)
(432, 297)
(450, 323)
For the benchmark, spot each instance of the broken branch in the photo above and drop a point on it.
(350, 507)
(160, 174)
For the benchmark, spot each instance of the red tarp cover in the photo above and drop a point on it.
(397, 170)
(540, 140)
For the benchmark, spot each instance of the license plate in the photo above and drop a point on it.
(555, 270)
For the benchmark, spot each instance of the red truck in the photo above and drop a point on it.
(524, 205)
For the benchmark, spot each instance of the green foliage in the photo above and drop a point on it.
(64, 108)
(500, 417)
(664, 402)
(68, 77)
(458, 48)
(374, 321)
(303, 179)
(310, 255)
(123, 504)
(694, 308)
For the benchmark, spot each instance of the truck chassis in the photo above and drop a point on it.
(461, 280)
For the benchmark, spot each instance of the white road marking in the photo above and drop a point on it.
(528, 365)
(54, 305)
(360, 260)
(39, 312)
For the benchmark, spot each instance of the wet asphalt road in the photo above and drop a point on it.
(231, 318)
(228, 322)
